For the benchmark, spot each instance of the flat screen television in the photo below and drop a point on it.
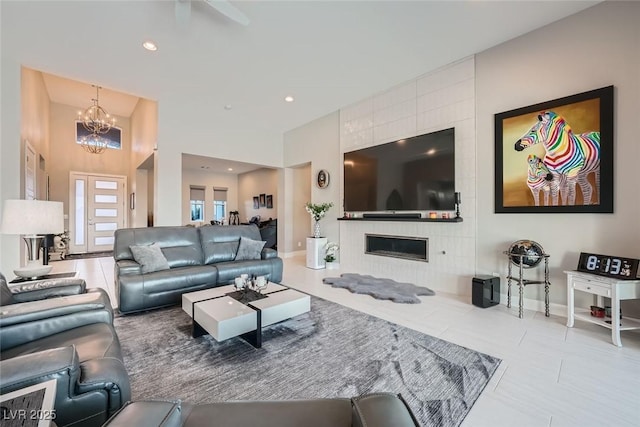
(412, 174)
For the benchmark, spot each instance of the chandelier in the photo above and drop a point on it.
(93, 143)
(98, 122)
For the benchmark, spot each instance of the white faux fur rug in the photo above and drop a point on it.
(406, 293)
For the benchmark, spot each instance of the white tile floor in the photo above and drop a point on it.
(551, 375)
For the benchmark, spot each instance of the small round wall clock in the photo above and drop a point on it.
(323, 179)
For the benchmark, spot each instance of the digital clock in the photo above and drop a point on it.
(606, 265)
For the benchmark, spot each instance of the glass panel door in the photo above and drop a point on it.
(96, 210)
(105, 207)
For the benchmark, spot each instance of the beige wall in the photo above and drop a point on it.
(10, 152)
(67, 155)
(33, 107)
(595, 48)
(316, 145)
(300, 218)
(35, 126)
(180, 130)
(208, 180)
(144, 134)
(254, 183)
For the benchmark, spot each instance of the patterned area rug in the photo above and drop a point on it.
(379, 288)
(333, 351)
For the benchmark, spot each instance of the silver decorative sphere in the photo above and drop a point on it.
(527, 252)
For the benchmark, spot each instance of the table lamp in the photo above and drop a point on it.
(32, 219)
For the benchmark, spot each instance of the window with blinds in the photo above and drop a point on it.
(197, 197)
(219, 204)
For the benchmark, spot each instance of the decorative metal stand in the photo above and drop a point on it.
(522, 282)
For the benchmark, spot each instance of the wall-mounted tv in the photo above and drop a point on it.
(412, 174)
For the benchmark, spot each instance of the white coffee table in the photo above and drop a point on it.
(214, 312)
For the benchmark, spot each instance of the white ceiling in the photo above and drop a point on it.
(209, 164)
(78, 94)
(327, 54)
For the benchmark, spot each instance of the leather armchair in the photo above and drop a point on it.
(373, 410)
(71, 339)
(24, 323)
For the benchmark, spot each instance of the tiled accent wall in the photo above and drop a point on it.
(438, 100)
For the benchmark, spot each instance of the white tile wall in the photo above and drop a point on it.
(438, 100)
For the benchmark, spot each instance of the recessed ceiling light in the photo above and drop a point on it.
(288, 98)
(149, 45)
(431, 152)
(230, 169)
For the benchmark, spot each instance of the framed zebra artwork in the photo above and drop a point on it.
(556, 156)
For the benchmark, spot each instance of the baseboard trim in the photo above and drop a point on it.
(534, 304)
(292, 254)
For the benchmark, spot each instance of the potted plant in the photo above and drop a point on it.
(331, 250)
(317, 212)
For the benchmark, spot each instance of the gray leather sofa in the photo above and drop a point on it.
(199, 258)
(373, 410)
(56, 330)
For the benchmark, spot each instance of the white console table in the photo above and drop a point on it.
(315, 252)
(602, 287)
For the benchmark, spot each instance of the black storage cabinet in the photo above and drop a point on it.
(485, 291)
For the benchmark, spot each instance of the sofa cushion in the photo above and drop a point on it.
(292, 413)
(220, 243)
(160, 288)
(150, 413)
(90, 341)
(228, 271)
(150, 258)
(180, 245)
(249, 249)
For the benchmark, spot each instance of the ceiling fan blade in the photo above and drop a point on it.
(183, 12)
(228, 10)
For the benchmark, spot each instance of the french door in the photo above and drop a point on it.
(96, 210)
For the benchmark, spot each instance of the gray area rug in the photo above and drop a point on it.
(379, 288)
(333, 351)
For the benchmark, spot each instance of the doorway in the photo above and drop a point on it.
(97, 205)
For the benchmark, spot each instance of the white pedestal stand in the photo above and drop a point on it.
(315, 252)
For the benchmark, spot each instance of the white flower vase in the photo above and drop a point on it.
(316, 230)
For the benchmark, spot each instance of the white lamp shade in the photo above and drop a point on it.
(34, 217)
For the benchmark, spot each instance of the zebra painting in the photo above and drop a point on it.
(539, 178)
(571, 156)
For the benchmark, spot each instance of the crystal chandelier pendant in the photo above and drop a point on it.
(98, 122)
(94, 143)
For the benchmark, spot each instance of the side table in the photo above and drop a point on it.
(602, 287)
(315, 252)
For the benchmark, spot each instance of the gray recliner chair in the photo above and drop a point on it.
(57, 330)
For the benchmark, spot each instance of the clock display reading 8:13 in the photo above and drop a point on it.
(605, 265)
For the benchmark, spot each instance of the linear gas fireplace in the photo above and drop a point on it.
(413, 248)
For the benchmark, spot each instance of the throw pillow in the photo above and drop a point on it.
(150, 258)
(249, 249)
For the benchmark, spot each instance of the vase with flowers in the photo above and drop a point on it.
(330, 252)
(317, 212)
